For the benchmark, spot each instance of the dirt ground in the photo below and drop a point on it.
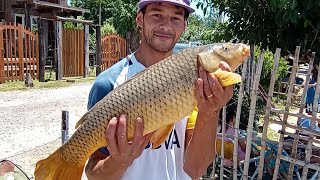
(31, 121)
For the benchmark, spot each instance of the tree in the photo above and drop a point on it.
(204, 29)
(120, 13)
(272, 23)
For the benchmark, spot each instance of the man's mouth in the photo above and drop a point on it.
(163, 37)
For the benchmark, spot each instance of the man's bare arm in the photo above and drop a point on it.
(200, 143)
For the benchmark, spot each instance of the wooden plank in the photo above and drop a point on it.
(237, 121)
(60, 45)
(267, 114)
(1, 57)
(98, 50)
(86, 51)
(252, 114)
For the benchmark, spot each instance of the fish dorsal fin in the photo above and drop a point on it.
(82, 120)
(160, 136)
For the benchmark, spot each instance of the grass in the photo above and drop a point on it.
(20, 85)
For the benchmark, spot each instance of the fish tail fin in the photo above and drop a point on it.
(55, 168)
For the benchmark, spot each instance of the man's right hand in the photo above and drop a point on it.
(121, 152)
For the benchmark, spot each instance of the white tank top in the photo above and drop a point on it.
(165, 162)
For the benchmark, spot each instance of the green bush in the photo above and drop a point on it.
(268, 67)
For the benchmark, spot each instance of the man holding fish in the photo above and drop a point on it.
(190, 147)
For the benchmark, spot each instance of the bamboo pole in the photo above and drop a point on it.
(237, 123)
(279, 111)
(268, 108)
(302, 104)
(287, 109)
(223, 132)
(314, 114)
(252, 113)
(295, 127)
(300, 163)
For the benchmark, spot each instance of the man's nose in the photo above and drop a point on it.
(166, 25)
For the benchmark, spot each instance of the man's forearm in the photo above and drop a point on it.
(104, 169)
(200, 150)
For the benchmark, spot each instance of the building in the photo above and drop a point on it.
(43, 17)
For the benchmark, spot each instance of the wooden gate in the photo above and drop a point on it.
(19, 53)
(72, 52)
(113, 48)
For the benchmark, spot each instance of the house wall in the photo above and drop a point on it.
(8, 10)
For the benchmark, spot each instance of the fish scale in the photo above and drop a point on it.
(162, 95)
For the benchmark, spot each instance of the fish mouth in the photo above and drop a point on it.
(245, 50)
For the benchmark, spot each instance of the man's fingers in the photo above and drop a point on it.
(138, 133)
(122, 134)
(111, 136)
(224, 66)
(215, 86)
(206, 88)
(199, 89)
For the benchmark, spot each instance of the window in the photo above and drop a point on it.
(34, 23)
(19, 19)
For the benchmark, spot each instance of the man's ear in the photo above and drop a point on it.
(139, 19)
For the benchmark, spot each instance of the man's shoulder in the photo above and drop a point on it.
(113, 72)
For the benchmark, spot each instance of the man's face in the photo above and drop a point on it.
(161, 25)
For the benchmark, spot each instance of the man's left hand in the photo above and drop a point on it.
(209, 92)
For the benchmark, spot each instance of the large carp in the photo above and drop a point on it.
(162, 95)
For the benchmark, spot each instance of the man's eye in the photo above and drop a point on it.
(176, 18)
(156, 15)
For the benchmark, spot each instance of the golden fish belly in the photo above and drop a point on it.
(161, 95)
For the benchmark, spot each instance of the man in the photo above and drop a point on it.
(190, 148)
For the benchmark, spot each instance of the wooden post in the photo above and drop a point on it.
(287, 109)
(59, 51)
(65, 126)
(42, 48)
(267, 114)
(20, 51)
(98, 50)
(313, 123)
(303, 101)
(1, 57)
(250, 67)
(27, 16)
(86, 51)
(223, 132)
(237, 123)
(252, 114)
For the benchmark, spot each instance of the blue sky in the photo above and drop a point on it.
(198, 11)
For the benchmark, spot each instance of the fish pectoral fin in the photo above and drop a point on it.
(160, 136)
(227, 78)
(82, 120)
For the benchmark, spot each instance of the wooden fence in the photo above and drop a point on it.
(113, 48)
(19, 52)
(72, 52)
(295, 154)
